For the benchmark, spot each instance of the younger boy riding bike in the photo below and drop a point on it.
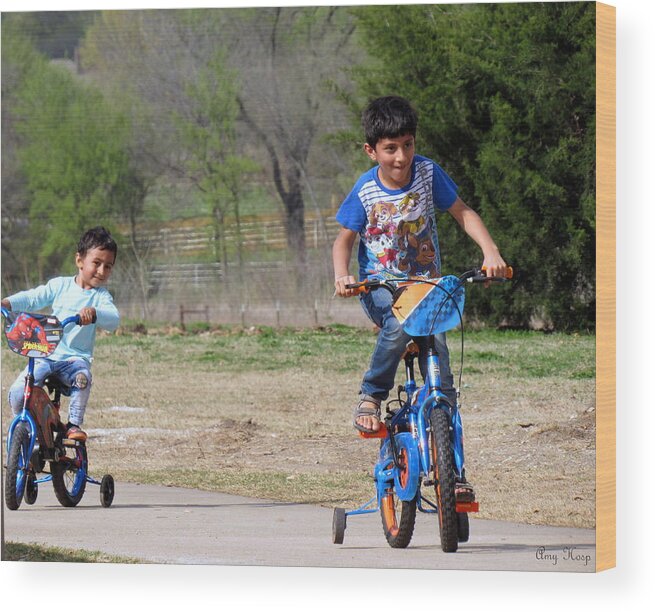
(81, 294)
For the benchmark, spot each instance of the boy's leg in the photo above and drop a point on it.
(389, 348)
(42, 367)
(76, 374)
(447, 382)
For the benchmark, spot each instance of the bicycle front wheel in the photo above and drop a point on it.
(17, 466)
(69, 476)
(444, 478)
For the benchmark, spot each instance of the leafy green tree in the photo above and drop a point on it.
(18, 58)
(72, 153)
(506, 98)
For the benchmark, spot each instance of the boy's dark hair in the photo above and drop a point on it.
(97, 238)
(388, 117)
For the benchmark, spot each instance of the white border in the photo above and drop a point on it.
(112, 587)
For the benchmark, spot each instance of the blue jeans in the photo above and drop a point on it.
(390, 346)
(74, 373)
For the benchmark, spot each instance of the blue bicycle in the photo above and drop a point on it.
(422, 437)
(36, 435)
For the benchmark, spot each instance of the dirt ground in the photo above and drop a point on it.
(530, 451)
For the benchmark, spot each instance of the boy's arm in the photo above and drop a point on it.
(107, 315)
(32, 299)
(341, 253)
(472, 224)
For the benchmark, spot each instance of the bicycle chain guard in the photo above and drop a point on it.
(405, 477)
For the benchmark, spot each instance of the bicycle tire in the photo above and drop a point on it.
(444, 478)
(338, 525)
(69, 477)
(31, 489)
(17, 466)
(463, 529)
(398, 517)
(107, 490)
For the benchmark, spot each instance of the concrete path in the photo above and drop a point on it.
(186, 526)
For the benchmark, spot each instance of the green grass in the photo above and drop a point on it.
(14, 551)
(343, 349)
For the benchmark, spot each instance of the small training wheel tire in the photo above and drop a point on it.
(31, 489)
(107, 490)
(338, 525)
(462, 527)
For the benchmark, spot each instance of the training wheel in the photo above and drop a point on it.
(338, 525)
(462, 527)
(107, 490)
(31, 489)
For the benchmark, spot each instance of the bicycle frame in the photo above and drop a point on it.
(411, 454)
(42, 416)
(414, 415)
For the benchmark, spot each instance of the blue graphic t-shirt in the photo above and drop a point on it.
(397, 228)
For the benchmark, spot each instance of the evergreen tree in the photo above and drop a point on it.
(506, 98)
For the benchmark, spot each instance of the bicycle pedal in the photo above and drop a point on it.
(380, 433)
(70, 443)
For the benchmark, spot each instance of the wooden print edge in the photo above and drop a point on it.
(605, 286)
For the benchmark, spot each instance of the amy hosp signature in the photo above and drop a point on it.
(566, 554)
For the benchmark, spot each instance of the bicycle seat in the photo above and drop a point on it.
(54, 383)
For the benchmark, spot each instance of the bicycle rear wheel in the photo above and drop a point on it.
(398, 517)
(444, 478)
(69, 476)
(17, 466)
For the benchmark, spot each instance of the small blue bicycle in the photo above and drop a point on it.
(36, 435)
(422, 437)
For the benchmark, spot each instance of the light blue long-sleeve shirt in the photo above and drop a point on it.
(67, 298)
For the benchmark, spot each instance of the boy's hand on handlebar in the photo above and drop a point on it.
(340, 288)
(494, 265)
(87, 315)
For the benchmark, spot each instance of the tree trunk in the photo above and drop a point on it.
(295, 224)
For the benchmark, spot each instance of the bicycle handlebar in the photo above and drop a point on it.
(74, 319)
(479, 275)
(476, 275)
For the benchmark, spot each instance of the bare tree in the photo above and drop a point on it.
(285, 57)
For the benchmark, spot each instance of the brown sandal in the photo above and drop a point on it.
(464, 493)
(361, 410)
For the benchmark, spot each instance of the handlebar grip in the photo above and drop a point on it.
(359, 287)
(509, 273)
(77, 320)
